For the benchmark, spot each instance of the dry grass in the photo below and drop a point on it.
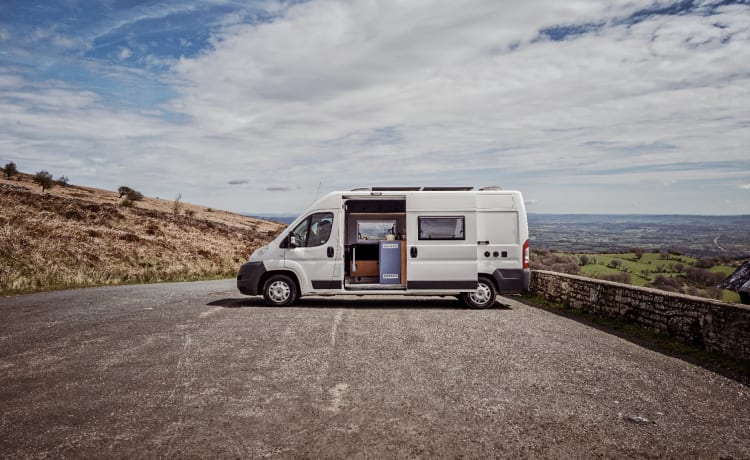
(78, 236)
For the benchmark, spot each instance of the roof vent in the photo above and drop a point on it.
(447, 189)
(395, 189)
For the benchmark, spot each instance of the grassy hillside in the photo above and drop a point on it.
(73, 236)
(671, 272)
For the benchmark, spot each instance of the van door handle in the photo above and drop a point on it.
(483, 242)
(330, 251)
(413, 252)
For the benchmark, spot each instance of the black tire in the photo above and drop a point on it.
(279, 290)
(483, 297)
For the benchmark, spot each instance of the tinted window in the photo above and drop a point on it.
(320, 229)
(441, 228)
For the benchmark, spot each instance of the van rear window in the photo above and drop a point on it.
(442, 228)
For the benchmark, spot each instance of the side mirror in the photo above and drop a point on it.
(292, 241)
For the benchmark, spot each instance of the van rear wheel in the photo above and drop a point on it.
(483, 297)
(279, 290)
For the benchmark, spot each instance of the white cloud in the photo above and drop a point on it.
(124, 53)
(324, 79)
(62, 41)
(364, 93)
(745, 186)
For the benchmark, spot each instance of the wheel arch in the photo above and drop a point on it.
(491, 279)
(289, 273)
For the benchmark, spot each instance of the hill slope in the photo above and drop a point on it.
(73, 236)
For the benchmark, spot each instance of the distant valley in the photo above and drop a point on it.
(698, 236)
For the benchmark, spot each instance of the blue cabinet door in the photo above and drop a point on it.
(390, 262)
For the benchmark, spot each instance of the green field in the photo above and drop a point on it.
(644, 270)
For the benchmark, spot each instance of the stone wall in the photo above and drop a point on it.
(717, 326)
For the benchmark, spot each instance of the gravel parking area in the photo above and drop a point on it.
(197, 370)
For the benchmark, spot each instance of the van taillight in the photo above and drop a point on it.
(526, 254)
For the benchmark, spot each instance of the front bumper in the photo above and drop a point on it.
(248, 279)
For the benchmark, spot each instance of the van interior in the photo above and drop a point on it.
(375, 243)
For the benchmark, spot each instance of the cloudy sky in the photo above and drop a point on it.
(586, 106)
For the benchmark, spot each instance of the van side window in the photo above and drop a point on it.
(442, 228)
(313, 231)
(300, 232)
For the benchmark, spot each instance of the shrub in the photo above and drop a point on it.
(617, 277)
(705, 263)
(637, 252)
(666, 283)
(153, 229)
(703, 277)
(133, 195)
(123, 190)
(130, 237)
(614, 263)
(63, 180)
(10, 170)
(44, 179)
(713, 292)
(583, 259)
(547, 260)
(128, 203)
(74, 214)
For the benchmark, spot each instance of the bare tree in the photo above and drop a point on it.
(177, 206)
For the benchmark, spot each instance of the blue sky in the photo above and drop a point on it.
(627, 106)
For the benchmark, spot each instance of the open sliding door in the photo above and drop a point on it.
(441, 239)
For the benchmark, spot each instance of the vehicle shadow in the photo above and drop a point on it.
(432, 303)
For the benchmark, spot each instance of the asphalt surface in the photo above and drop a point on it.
(198, 370)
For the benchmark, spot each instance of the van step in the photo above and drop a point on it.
(375, 287)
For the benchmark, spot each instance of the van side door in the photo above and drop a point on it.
(312, 251)
(441, 242)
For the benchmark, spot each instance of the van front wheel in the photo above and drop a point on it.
(483, 297)
(279, 290)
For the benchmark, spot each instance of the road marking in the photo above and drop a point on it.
(182, 369)
(335, 327)
(210, 312)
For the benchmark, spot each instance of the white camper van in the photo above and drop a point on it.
(398, 240)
